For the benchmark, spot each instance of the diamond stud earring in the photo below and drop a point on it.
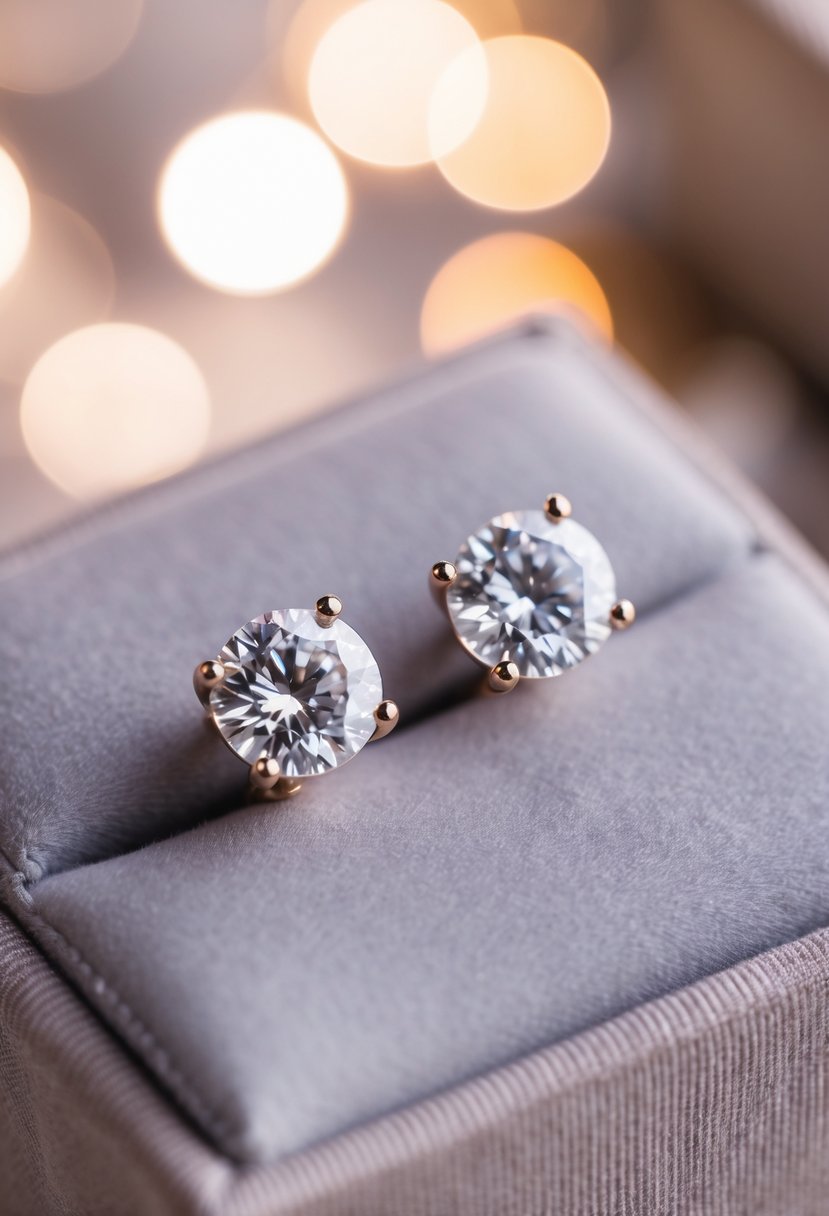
(531, 594)
(294, 692)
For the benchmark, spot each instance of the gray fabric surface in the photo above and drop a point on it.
(102, 746)
(82, 1132)
(496, 878)
(708, 1102)
(493, 878)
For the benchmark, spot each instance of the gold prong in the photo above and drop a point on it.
(441, 577)
(264, 773)
(386, 717)
(622, 614)
(443, 574)
(206, 677)
(557, 507)
(327, 609)
(504, 676)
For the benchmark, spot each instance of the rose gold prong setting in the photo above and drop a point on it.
(264, 773)
(386, 717)
(327, 609)
(504, 676)
(273, 663)
(622, 614)
(441, 577)
(443, 574)
(207, 676)
(557, 507)
(285, 787)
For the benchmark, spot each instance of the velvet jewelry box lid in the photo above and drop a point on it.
(496, 876)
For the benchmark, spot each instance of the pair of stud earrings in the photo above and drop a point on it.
(297, 692)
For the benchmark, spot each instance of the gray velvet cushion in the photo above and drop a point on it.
(498, 874)
(102, 747)
(491, 880)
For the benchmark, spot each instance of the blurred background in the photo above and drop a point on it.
(217, 218)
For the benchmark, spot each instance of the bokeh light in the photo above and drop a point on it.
(113, 406)
(495, 280)
(492, 18)
(252, 202)
(374, 72)
(48, 45)
(293, 35)
(15, 217)
(544, 130)
(66, 281)
(596, 29)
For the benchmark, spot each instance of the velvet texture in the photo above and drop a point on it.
(102, 749)
(495, 877)
(711, 1100)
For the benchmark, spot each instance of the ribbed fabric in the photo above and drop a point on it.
(712, 1100)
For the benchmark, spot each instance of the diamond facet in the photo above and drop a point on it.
(532, 592)
(296, 691)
